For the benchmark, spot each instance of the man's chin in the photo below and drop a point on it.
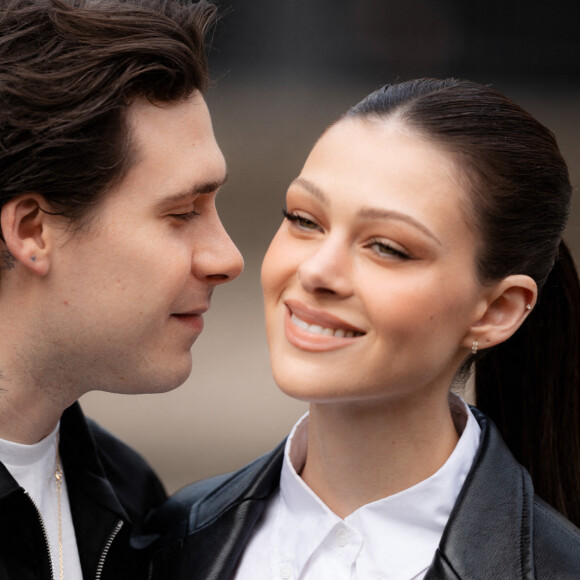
(156, 381)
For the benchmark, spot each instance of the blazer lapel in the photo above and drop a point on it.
(489, 533)
(220, 525)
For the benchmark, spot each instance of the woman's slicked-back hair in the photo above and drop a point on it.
(519, 186)
(518, 196)
(68, 71)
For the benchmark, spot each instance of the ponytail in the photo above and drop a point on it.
(530, 387)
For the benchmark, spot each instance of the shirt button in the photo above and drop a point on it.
(342, 537)
(285, 571)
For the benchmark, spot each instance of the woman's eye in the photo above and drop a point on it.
(385, 249)
(300, 221)
(185, 217)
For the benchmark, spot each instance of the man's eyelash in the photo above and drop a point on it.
(186, 216)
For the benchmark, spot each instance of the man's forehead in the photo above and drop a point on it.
(175, 155)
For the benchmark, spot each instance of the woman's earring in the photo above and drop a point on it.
(474, 347)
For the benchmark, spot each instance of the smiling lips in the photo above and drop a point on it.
(315, 330)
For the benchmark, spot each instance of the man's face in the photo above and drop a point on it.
(126, 295)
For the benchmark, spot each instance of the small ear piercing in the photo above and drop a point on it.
(474, 347)
(528, 307)
(33, 258)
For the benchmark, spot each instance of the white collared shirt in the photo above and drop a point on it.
(394, 538)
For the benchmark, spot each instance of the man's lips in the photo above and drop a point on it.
(194, 312)
(319, 322)
(193, 318)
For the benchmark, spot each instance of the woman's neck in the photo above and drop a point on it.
(359, 453)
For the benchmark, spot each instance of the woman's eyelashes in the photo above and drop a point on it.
(381, 247)
(387, 250)
(300, 221)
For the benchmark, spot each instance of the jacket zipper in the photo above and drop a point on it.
(104, 553)
(106, 549)
(45, 533)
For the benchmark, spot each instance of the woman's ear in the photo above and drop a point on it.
(508, 304)
(25, 231)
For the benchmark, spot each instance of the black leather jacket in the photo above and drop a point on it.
(498, 528)
(111, 489)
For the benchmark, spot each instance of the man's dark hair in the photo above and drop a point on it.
(68, 71)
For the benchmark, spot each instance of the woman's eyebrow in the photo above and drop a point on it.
(370, 212)
(310, 187)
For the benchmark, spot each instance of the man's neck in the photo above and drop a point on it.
(26, 422)
(33, 395)
(28, 413)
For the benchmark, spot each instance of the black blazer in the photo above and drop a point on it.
(498, 528)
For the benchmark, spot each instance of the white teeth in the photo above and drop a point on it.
(317, 329)
(299, 322)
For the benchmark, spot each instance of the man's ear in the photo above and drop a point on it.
(509, 303)
(25, 231)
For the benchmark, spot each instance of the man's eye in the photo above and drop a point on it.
(185, 216)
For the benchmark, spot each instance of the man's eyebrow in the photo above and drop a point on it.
(210, 186)
(368, 213)
(197, 189)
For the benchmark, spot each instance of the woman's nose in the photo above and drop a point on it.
(327, 270)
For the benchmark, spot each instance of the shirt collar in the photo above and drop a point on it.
(21, 455)
(395, 536)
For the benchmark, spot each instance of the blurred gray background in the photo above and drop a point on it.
(284, 70)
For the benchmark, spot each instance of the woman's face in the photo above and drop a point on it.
(370, 284)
